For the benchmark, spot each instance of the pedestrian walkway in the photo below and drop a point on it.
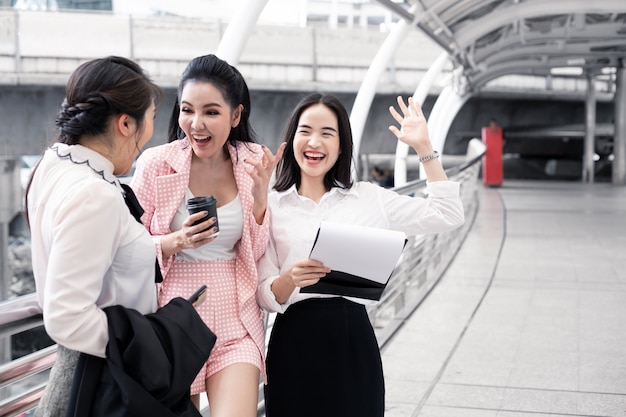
(530, 318)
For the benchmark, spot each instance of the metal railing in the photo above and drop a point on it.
(423, 262)
(425, 257)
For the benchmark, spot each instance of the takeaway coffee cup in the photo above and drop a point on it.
(207, 203)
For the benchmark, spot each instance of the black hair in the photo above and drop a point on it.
(229, 81)
(288, 170)
(99, 90)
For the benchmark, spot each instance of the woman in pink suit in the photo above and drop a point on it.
(212, 152)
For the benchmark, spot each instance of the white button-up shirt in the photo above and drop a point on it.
(88, 251)
(295, 220)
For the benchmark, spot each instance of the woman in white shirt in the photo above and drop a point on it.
(88, 251)
(323, 357)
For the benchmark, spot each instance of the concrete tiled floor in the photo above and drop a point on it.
(530, 318)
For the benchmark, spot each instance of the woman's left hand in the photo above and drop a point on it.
(414, 132)
(413, 126)
(260, 170)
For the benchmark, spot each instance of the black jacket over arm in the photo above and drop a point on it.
(151, 362)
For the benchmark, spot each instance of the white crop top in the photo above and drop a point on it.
(230, 219)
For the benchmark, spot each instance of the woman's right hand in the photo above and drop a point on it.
(307, 272)
(301, 274)
(190, 236)
(193, 236)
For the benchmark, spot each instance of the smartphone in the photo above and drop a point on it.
(194, 297)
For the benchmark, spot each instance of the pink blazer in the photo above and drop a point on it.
(160, 180)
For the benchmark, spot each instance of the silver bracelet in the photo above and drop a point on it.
(433, 155)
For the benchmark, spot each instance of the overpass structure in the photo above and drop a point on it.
(453, 50)
(465, 47)
(489, 39)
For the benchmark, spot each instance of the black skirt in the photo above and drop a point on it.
(323, 360)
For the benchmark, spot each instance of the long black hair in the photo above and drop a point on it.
(232, 85)
(288, 170)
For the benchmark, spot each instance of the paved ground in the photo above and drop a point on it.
(530, 318)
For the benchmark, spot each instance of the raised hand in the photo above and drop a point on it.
(414, 132)
(260, 170)
(413, 126)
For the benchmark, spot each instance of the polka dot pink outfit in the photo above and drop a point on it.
(230, 310)
(219, 311)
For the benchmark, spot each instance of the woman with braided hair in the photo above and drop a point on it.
(89, 251)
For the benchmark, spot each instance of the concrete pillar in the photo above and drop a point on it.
(590, 131)
(10, 205)
(619, 138)
(5, 273)
(333, 18)
(363, 18)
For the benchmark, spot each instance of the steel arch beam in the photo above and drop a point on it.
(596, 36)
(468, 34)
(238, 31)
(402, 149)
(441, 117)
(521, 65)
(367, 90)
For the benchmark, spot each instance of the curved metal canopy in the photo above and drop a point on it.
(493, 38)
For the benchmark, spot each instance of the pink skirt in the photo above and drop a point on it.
(220, 312)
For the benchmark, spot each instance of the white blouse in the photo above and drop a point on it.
(230, 221)
(295, 220)
(88, 251)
